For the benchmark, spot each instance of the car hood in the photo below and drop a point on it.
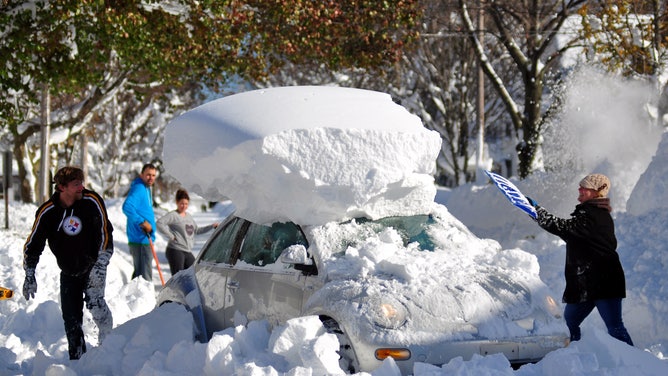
(466, 288)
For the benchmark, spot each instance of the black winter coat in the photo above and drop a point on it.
(593, 270)
(76, 234)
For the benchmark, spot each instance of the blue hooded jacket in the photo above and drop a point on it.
(138, 207)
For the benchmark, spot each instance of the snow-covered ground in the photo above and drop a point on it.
(157, 341)
(149, 341)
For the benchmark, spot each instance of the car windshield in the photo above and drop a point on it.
(412, 229)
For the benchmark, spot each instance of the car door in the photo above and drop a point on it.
(212, 267)
(259, 285)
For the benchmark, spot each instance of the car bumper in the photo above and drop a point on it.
(518, 351)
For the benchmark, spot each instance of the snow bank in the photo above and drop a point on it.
(310, 155)
(651, 191)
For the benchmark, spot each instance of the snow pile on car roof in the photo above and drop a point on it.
(307, 154)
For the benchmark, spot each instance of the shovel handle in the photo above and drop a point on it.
(155, 257)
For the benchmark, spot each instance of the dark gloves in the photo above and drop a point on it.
(531, 201)
(29, 284)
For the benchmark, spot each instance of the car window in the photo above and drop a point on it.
(412, 229)
(263, 244)
(220, 248)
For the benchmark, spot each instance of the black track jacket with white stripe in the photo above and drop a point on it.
(75, 234)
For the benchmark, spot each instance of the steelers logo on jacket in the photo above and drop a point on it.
(72, 225)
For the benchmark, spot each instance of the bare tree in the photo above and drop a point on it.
(526, 31)
(435, 79)
(437, 83)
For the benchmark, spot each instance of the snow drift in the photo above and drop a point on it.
(652, 184)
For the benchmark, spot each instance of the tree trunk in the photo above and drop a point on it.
(532, 121)
(25, 189)
(44, 164)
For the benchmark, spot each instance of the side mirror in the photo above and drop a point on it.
(295, 254)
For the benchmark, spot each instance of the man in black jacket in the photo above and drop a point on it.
(74, 221)
(594, 274)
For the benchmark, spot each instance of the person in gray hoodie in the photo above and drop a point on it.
(179, 228)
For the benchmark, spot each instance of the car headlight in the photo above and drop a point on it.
(552, 306)
(387, 312)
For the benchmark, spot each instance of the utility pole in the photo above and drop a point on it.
(84, 152)
(480, 103)
(45, 129)
(7, 182)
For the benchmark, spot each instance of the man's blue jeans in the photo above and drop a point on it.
(610, 311)
(142, 258)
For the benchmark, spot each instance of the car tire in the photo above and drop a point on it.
(348, 360)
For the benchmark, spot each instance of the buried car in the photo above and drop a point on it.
(335, 218)
(418, 288)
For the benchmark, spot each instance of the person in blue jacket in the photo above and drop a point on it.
(140, 227)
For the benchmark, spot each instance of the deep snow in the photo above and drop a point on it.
(156, 341)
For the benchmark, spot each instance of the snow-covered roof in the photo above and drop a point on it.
(307, 154)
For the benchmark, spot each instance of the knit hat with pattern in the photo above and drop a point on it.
(597, 182)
